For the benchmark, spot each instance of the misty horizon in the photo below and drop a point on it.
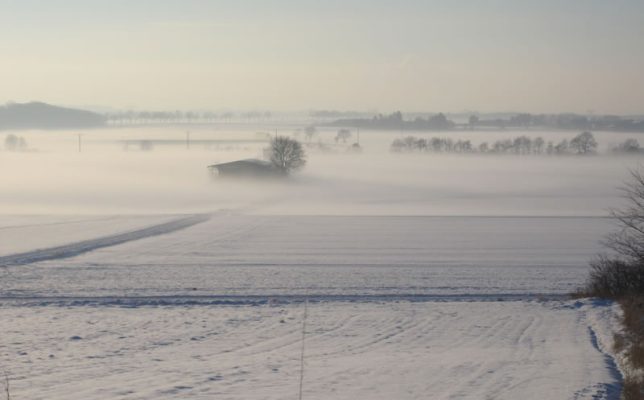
(108, 109)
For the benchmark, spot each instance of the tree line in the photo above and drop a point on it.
(583, 144)
(396, 121)
(164, 117)
(560, 121)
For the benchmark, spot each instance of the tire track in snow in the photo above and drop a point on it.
(74, 249)
(602, 391)
(134, 301)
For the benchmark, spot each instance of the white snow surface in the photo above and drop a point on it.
(232, 254)
(22, 233)
(399, 308)
(353, 350)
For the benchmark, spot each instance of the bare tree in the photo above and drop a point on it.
(584, 143)
(473, 121)
(628, 240)
(343, 134)
(628, 146)
(15, 143)
(562, 147)
(538, 145)
(287, 155)
(11, 142)
(309, 132)
(622, 273)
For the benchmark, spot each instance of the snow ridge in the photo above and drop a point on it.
(262, 299)
(74, 249)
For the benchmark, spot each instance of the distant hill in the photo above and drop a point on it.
(38, 115)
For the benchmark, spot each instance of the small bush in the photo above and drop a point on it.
(614, 278)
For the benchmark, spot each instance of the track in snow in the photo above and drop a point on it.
(263, 299)
(74, 249)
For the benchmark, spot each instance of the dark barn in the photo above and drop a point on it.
(249, 168)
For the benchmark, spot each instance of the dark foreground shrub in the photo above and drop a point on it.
(632, 344)
(613, 278)
(633, 321)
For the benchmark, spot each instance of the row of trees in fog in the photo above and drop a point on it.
(161, 117)
(397, 121)
(583, 144)
(559, 121)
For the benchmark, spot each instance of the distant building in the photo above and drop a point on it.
(249, 168)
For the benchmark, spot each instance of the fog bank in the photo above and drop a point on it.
(113, 175)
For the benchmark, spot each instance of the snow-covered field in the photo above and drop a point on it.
(127, 274)
(232, 254)
(400, 307)
(353, 350)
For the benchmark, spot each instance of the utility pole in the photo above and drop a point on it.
(187, 140)
(358, 136)
(80, 148)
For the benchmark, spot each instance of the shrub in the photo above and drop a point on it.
(614, 278)
(622, 273)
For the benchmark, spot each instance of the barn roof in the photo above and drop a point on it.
(249, 168)
(241, 163)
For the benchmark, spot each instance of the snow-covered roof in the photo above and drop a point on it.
(247, 161)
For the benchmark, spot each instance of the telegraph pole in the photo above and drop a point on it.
(80, 148)
(187, 140)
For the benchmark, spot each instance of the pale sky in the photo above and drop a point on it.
(413, 55)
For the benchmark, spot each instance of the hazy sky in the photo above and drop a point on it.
(496, 55)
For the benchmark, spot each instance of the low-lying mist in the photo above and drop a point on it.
(155, 171)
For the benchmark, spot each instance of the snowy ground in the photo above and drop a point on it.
(26, 233)
(211, 307)
(354, 350)
(232, 254)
